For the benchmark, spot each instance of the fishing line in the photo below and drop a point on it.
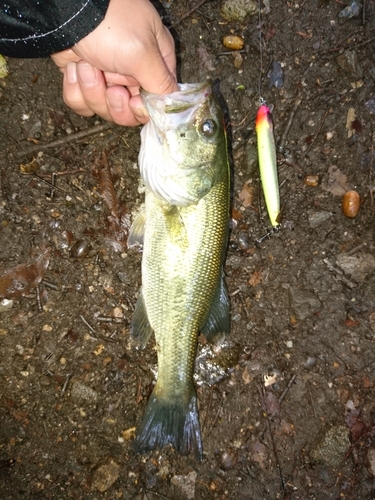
(266, 147)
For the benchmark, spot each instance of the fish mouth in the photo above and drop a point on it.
(169, 110)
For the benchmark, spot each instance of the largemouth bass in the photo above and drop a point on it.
(184, 165)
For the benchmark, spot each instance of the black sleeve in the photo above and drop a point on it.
(38, 28)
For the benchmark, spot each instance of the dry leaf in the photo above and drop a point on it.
(258, 453)
(246, 377)
(247, 194)
(19, 280)
(129, 434)
(336, 182)
(255, 278)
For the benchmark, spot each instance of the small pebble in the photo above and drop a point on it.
(318, 218)
(228, 459)
(80, 250)
(185, 485)
(83, 393)
(371, 461)
(233, 42)
(105, 476)
(238, 10)
(311, 180)
(352, 10)
(6, 305)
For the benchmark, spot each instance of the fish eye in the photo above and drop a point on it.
(208, 128)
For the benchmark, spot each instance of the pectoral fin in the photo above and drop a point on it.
(175, 227)
(137, 230)
(140, 328)
(217, 321)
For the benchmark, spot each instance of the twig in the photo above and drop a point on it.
(40, 308)
(318, 132)
(216, 416)
(356, 248)
(64, 387)
(230, 52)
(339, 274)
(281, 146)
(82, 134)
(156, 494)
(208, 408)
(363, 12)
(262, 396)
(342, 42)
(67, 172)
(188, 14)
(49, 183)
(53, 182)
(88, 326)
(312, 401)
(290, 383)
(242, 300)
(52, 286)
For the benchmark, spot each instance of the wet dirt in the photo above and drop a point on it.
(290, 411)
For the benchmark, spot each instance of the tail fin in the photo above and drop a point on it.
(170, 423)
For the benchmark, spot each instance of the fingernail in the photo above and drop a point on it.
(87, 75)
(71, 72)
(140, 112)
(115, 102)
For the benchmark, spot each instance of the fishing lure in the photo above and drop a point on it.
(267, 163)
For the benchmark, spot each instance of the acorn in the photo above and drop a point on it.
(350, 204)
(233, 42)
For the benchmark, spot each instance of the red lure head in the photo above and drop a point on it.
(263, 116)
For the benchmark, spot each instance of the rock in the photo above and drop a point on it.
(276, 75)
(352, 10)
(370, 105)
(185, 485)
(238, 10)
(303, 303)
(348, 61)
(105, 476)
(317, 218)
(228, 459)
(83, 393)
(358, 266)
(371, 461)
(331, 447)
(6, 305)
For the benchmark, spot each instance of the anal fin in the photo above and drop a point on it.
(140, 328)
(217, 322)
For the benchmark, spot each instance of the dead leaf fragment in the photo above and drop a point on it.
(255, 278)
(247, 194)
(129, 434)
(259, 454)
(350, 118)
(19, 280)
(336, 182)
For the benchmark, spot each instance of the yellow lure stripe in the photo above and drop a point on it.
(267, 163)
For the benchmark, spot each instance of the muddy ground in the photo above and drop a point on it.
(289, 410)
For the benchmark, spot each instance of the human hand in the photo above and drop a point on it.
(103, 72)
